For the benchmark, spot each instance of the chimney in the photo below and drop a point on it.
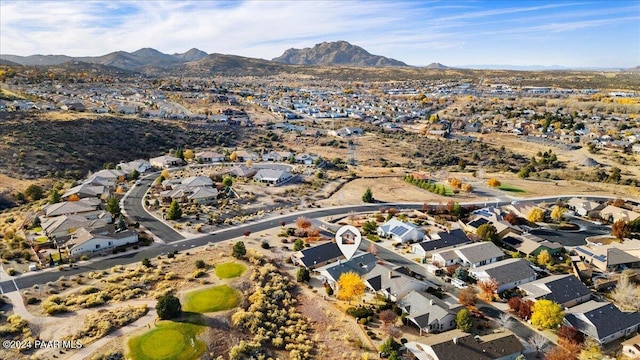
(455, 340)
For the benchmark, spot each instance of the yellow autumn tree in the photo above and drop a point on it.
(233, 156)
(350, 286)
(544, 258)
(546, 314)
(188, 154)
(557, 212)
(165, 174)
(535, 215)
(467, 188)
(493, 182)
(455, 183)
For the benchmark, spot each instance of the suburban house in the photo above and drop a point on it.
(457, 345)
(631, 347)
(521, 208)
(393, 284)
(61, 227)
(207, 157)
(272, 176)
(530, 245)
(278, 156)
(508, 273)
(165, 161)
(114, 175)
(582, 207)
(612, 257)
(602, 321)
(316, 256)
(566, 290)
(139, 165)
(72, 207)
(429, 313)
(242, 156)
(440, 241)
(346, 131)
(306, 159)
(84, 241)
(470, 255)
(400, 231)
(242, 171)
(87, 191)
(196, 189)
(360, 264)
(613, 213)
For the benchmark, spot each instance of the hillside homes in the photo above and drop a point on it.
(458, 345)
(392, 283)
(84, 242)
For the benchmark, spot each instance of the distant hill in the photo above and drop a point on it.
(335, 53)
(437, 66)
(36, 60)
(145, 57)
(231, 65)
(633, 69)
(191, 55)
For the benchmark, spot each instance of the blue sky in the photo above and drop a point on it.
(455, 33)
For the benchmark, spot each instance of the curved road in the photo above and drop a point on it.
(174, 241)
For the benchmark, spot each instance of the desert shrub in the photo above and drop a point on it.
(360, 312)
(199, 273)
(265, 245)
(11, 271)
(170, 276)
(32, 300)
(200, 264)
(89, 290)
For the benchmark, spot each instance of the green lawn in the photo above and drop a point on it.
(169, 341)
(215, 298)
(42, 239)
(510, 188)
(229, 270)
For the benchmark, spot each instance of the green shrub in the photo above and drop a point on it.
(84, 258)
(11, 271)
(32, 300)
(200, 264)
(89, 290)
(199, 273)
(363, 321)
(265, 245)
(360, 312)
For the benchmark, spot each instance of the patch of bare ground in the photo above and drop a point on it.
(386, 189)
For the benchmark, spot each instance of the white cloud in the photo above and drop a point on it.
(408, 31)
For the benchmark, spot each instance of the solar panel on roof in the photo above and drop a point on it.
(511, 241)
(584, 251)
(602, 258)
(398, 230)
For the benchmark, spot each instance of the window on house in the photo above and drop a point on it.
(97, 246)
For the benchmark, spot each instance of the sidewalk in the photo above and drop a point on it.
(90, 349)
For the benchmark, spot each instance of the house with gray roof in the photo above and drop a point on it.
(400, 231)
(429, 313)
(71, 207)
(602, 321)
(272, 176)
(458, 345)
(530, 245)
(470, 255)
(566, 290)
(316, 256)
(508, 273)
(392, 283)
(439, 241)
(85, 241)
(612, 257)
(360, 264)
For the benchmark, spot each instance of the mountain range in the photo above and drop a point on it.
(339, 53)
(326, 53)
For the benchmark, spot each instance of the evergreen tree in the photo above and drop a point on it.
(174, 212)
(113, 206)
(54, 196)
(239, 250)
(367, 196)
(463, 320)
(168, 307)
(122, 224)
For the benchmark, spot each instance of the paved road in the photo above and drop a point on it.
(218, 236)
(134, 208)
